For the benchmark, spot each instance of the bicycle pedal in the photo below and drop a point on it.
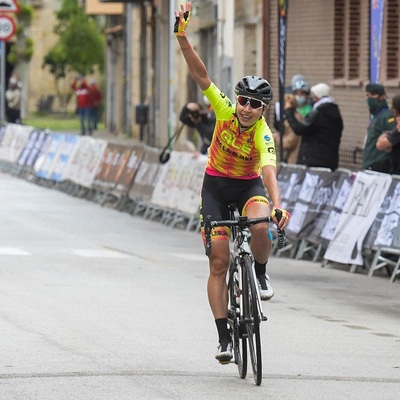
(226, 362)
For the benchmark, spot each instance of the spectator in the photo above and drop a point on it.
(13, 101)
(81, 89)
(202, 119)
(382, 120)
(290, 142)
(390, 141)
(302, 101)
(95, 100)
(301, 90)
(320, 131)
(288, 90)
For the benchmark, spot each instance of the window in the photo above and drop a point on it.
(392, 40)
(347, 40)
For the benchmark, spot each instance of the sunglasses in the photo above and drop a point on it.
(254, 103)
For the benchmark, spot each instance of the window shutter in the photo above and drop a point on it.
(339, 48)
(354, 39)
(392, 35)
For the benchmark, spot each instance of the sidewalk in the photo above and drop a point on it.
(112, 137)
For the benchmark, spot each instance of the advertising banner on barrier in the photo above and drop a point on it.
(61, 158)
(126, 176)
(365, 199)
(290, 179)
(115, 158)
(327, 204)
(189, 202)
(385, 231)
(307, 207)
(44, 162)
(179, 179)
(165, 189)
(146, 175)
(33, 148)
(51, 163)
(14, 140)
(2, 133)
(84, 161)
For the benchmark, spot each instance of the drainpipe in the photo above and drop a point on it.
(128, 69)
(266, 39)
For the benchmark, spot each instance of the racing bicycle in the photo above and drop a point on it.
(244, 310)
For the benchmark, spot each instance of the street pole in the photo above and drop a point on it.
(171, 72)
(2, 81)
(128, 68)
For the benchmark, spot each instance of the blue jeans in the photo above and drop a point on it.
(94, 114)
(84, 116)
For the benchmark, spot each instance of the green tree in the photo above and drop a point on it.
(79, 49)
(22, 49)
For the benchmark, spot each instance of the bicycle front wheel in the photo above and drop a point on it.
(253, 319)
(239, 340)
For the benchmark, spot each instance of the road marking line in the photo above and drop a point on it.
(189, 257)
(95, 253)
(13, 251)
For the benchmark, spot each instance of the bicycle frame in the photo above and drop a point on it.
(240, 247)
(244, 320)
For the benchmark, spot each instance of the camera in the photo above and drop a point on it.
(195, 114)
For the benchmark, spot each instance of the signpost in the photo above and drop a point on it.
(7, 30)
(7, 27)
(9, 6)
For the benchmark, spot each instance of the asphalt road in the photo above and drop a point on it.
(98, 304)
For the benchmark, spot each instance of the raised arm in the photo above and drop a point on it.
(196, 66)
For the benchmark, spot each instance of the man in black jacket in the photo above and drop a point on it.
(321, 130)
(203, 120)
(390, 141)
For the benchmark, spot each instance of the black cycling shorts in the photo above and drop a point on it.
(218, 192)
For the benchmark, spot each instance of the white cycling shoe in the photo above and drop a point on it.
(265, 288)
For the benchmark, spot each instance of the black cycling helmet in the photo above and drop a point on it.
(256, 87)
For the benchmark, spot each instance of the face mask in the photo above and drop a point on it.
(301, 100)
(375, 105)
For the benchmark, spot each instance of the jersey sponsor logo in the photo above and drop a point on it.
(219, 233)
(271, 150)
(234, 143)
(267, 138)
(232, 152)
(227, 100)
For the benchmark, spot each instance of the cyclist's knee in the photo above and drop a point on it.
(259, 232)
(219, 264)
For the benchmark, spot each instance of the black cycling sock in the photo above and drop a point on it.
(223, 331)
(261, 269)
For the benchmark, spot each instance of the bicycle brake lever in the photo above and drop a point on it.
(278, 214)
(280, 232)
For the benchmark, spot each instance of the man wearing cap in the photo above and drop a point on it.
(321, 130)
(382, 120)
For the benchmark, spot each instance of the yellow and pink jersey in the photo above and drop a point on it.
(233, 154)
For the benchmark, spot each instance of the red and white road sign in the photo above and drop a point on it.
(9, 6)
(7, 27)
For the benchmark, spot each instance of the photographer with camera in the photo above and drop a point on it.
(201, 119)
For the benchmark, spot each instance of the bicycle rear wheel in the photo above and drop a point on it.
(239, 341)
(253, 319)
